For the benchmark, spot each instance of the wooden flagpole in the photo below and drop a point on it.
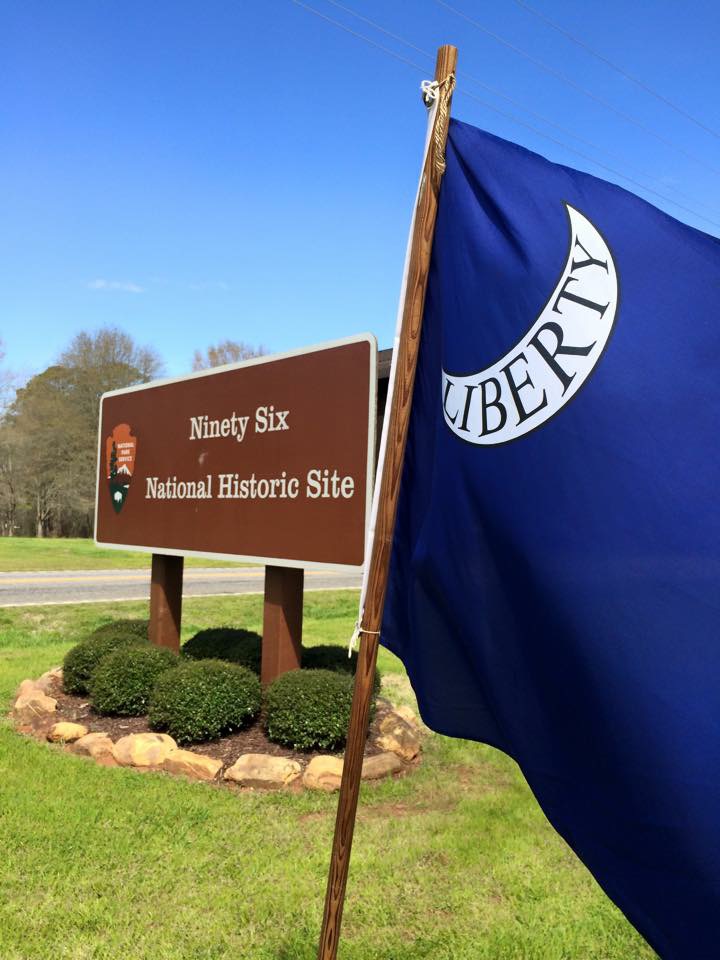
(409, 343)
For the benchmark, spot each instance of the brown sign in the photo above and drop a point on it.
(267, 460)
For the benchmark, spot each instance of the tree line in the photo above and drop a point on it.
(48, 428)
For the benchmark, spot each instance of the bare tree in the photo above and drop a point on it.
(107, 359)
(227, 351)
(110, 348)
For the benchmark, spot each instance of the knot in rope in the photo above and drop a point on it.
(358, 629)
(429, 90)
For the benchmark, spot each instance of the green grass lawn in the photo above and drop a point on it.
(74, 553)
(453, 863)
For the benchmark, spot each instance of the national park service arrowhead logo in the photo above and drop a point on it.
(120, 450)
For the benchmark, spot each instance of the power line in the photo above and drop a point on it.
(570, 133)
(499, 93)
(502, 113)
(568, 80)
(377, 26)
(613, 66)
(360, 36)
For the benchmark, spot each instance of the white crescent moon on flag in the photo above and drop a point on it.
(535, 379)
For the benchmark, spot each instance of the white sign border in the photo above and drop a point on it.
(368, 338)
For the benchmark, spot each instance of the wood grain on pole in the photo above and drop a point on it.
(166, 584)
(419, 265)
(282, 622)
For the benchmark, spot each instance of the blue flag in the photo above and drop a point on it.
(555, 576)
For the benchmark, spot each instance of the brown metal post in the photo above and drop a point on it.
(166, 585)
(408, 347)
(282, 621)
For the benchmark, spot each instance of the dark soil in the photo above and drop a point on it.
(250, 740)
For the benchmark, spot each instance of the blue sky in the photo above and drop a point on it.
(191, 171)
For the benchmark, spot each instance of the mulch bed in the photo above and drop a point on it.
(250, 740)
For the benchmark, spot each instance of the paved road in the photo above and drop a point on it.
(91, 586)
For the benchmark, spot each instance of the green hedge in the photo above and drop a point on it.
(138, 629)
(233, 644)
(204, 699)
(330, 657)
(81, 660)
(123, 680)
(309, 709)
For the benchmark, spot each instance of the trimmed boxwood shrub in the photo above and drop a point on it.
(331, 657)
(137, 629)
(204, 699)
(309, 709)
(233, 644)
(82, 659)
(122, 682)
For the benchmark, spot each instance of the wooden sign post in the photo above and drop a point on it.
(268, 461)
(166, 580)
(282, 622)
(282, 613)
(391, 471)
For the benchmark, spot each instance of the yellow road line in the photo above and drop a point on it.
(187, 596)
(124, 578)
(127, 578)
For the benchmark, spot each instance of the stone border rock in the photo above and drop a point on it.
(34, 712)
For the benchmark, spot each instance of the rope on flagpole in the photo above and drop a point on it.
(358, 629)
(431, 90)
